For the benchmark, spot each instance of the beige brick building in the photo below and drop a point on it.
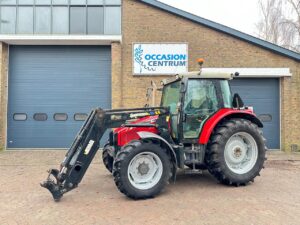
(273, 73)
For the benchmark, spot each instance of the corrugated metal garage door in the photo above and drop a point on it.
(263, 95)
(51, 88)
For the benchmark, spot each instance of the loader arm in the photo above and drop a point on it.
(85, 146)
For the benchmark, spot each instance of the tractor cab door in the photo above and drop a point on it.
(200, 101)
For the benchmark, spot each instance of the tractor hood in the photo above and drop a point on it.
(146, 119)
(126, 134)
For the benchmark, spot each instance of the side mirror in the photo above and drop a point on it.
(237, 101)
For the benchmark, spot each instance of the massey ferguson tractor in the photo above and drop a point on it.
(199, 125)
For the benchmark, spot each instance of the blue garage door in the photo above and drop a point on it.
(52, 89)
(263, 95)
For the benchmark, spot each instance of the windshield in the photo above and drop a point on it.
(170, 96)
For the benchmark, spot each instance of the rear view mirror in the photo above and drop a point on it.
(237, 101)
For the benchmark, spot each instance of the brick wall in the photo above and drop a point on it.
(116, 75)
(3, 92)
(142, 23)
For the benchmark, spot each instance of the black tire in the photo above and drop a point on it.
(107, 159)
(122, 161)
(215, 158)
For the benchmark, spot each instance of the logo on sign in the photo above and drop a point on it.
(160, 58)
(138, 57)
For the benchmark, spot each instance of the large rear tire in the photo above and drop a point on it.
(236, 152)
(142, 170)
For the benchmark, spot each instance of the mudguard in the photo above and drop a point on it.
(222, 114)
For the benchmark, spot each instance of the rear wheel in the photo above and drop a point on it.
(142, 170)
(236, 152)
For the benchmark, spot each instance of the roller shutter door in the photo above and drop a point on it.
(51, 89)
(263, 95)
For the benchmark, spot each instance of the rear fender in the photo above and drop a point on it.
(223, 114)
(151, 136)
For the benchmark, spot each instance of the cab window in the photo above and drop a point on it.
(201, 97)
(200, 102)
(170, 96)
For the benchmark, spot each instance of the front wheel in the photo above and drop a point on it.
(236, 152)
(142, 170)
(107, 159)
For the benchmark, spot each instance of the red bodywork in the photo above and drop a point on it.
(127, 134)
(211, 123)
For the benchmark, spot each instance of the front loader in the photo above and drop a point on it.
(199, 125)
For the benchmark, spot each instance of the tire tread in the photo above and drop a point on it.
(215, 164)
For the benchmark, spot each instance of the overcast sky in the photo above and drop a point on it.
(238, 14)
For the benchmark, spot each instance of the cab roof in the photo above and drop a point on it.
(200, 75)
(207, 75)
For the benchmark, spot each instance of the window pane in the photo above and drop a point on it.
(8, 20)
(25, 2)
(170, 97)
(200, 97)
(20, 116)
(265, 117)
(42, 20)
(112, 20)
(42, 2)
(95, 20)
(200, 102)
(40, 116)
(25, 20)
(80, 116)
(60, 116)
(95, 2)
(226, 93)
(78, 2)
(60, 2)
(78, 20)
(7, 2)
(113, 2)
(60, 23)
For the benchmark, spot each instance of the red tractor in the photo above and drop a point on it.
(198, 125)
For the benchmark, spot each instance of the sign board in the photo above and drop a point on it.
(160, 59)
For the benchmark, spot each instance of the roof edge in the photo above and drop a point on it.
(224, 29)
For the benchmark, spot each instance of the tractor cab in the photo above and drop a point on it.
(192, 98)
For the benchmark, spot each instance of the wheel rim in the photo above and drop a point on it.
(241, 153)
(145, 170)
